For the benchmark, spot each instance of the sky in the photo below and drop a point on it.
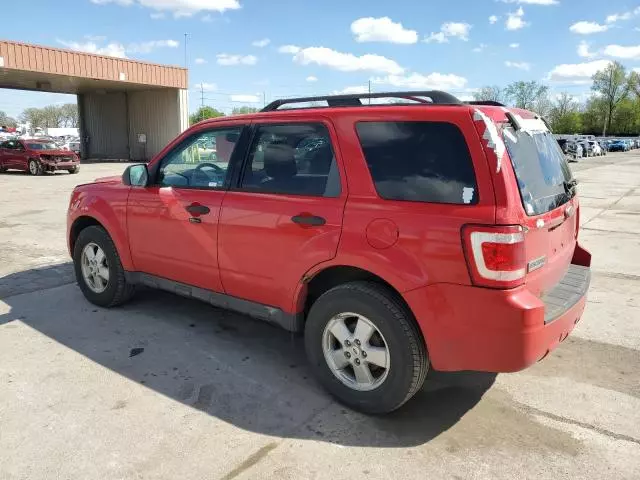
(246, 52)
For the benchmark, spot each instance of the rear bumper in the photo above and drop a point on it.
(472, 328)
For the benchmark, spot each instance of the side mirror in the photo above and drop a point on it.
(136, 175)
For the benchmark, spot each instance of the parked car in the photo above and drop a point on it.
(563, 144)
(73, 146)
(604, 146)
(398, 239)
(618, 146)
(596, 149)
(36, 156)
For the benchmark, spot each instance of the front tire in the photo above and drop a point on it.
(74, 170)
(365, 347)
(98, 269)
(35, 167)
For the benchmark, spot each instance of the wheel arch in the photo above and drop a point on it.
(323, 280)
(85, 221)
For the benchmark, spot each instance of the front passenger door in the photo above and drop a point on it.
(173, 222)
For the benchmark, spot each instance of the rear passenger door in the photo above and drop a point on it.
(285, 214)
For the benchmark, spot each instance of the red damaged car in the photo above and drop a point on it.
(433, 234)
(36, 156)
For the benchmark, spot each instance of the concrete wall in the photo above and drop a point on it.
(159, 115)
(113, 122)
(103, 123)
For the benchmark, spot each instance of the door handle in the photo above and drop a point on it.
(195, 209)
(308, 220)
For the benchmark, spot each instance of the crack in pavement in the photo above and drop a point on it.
(578, 423)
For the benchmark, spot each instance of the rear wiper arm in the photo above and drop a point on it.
(570, 185)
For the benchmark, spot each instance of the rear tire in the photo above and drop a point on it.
(395, 339)
(105, 290)
(35, 167)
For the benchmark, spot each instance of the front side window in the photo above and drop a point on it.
(294, 159)
(201, 161)
(419, 161)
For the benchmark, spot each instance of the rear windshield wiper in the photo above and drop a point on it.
(570, 186)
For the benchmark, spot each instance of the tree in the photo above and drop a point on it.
(6, 120)
(203, 113)
(613, 85)
(33, 116)
(564, 115)
(525, 94)
(243, 110)
(70, 115)
(489, 93)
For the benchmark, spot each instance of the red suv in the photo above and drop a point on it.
(428, 233)
(36, 156)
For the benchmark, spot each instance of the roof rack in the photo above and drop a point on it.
(490, 103)
(354, 100)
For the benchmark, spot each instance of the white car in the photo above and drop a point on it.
(596, 149)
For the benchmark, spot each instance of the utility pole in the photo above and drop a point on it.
(185, 49)
(201, 101)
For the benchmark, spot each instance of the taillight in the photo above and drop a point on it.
(495, 255)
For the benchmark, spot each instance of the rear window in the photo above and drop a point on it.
(419, 161)
(541, 169)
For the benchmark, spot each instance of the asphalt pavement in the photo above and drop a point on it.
(167, 388)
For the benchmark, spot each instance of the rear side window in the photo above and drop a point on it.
(419, 161)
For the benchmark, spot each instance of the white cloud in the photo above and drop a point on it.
(179, 8)
(146, 47)
(200, 61)
(616, 17)
(423, 82)
(312, 79)
(493, 19)
(293, 49)
(583, 50)
(515, 20)
(577, 73)
(157, 15)
(110, 50)
(345, 62)
(207, 87)
(383, 29)
(245, 98)
(226, 59)
(480, 48)
(261, 43)
(532, 2)
(587, 28)
(115, 49)
(352, 90)
(207, 18)
(450, 30)
(519, 65)
(436, 37)
(514, 45)
(619, 51)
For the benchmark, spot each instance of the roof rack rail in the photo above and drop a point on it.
(354, 100)
(490, 103)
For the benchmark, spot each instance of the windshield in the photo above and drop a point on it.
(42, 146)
(541, 169)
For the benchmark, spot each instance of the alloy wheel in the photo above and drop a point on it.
(95, 268)
(355, 351)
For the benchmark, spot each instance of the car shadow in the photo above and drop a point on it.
(242, 371)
